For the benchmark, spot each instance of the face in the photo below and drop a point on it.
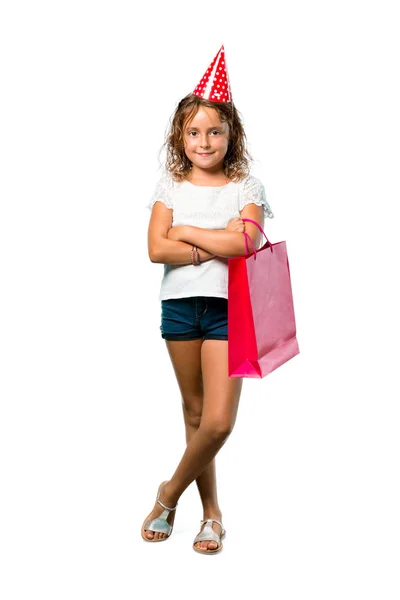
(206, 140)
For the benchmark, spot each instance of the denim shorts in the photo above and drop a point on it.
(199, 317)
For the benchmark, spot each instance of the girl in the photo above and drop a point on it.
(195, 226)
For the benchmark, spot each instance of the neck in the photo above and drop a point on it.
(207, 177)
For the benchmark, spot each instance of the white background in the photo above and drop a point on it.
(91, 419)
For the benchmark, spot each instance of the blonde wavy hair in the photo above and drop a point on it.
(236, 162)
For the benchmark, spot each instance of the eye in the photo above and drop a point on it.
(215, 132)
(192, 133)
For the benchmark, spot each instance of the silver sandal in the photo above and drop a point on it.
(160, 523)
(208, 534)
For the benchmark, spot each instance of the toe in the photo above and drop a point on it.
(149, 534)
(212, 545)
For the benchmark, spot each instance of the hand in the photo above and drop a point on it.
(236, 224)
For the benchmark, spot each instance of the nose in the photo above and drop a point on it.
(204, 141)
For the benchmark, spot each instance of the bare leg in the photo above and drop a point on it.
(221, 400)
(190, 381)
(186, 361)
(220, 404)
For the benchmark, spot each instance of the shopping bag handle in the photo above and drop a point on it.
(248, 238)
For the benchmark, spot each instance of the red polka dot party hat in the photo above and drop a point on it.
(214, 85)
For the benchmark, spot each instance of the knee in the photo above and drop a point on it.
(218, 429)
(192, 413)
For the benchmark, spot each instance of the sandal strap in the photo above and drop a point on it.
(215, 521)
(159, 501)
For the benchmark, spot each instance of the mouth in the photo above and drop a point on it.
(204, 153)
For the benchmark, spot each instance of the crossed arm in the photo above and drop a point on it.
(172, 245)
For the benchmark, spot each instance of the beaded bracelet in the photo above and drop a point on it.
(194, 256)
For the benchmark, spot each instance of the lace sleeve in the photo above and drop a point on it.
(253, 192)
(163, 192)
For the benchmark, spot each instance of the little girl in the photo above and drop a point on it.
(195, 226)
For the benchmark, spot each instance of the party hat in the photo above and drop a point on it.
(214, 85)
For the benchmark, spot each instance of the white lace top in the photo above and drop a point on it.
(211, 208)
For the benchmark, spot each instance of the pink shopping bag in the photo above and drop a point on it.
(261, 320)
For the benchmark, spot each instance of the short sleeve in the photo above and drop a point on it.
(163, 192)
(253, 192)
